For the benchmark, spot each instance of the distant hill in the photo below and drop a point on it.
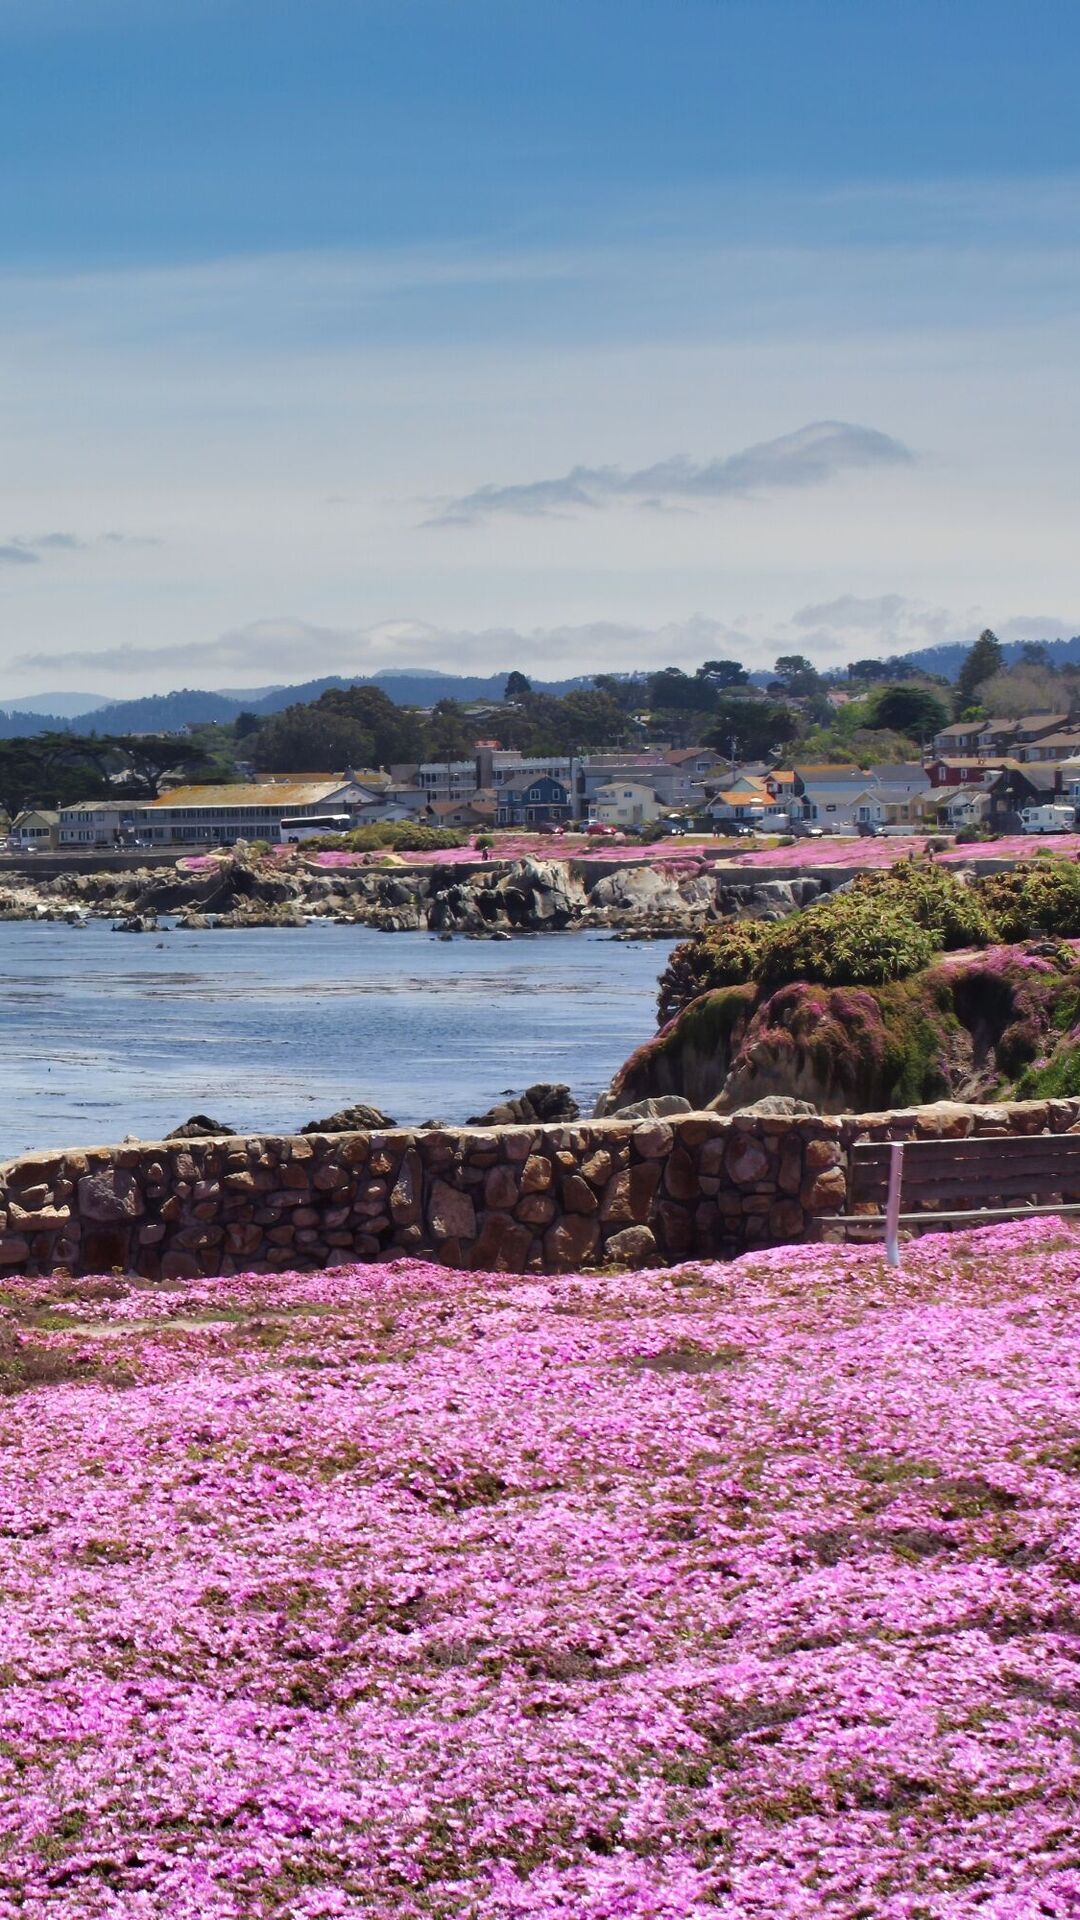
(167, 712)
(64, 705)
(949, 657)
(407, 687)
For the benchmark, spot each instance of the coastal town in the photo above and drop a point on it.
(990, 774)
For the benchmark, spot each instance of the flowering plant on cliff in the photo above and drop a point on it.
(723, 1591)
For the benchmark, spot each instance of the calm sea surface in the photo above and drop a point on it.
(103, 1034)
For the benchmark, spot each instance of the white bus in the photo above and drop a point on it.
(311, 825)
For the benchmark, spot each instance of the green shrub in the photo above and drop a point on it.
(1057, 1079)
(401, 836)
(935, 898)
(849, 939)
(724, 956)
(1033, 899)
(884, 926)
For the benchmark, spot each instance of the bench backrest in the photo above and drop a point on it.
(990, 1170)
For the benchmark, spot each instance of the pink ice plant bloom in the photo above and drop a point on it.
(873, 854)
(870, 855)
(723, 1592)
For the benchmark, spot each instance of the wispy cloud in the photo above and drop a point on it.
(880, 624)
(28, 551)
(851, 612)
(806, 458)
(288, 646)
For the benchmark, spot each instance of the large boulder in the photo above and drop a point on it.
(541, 894)
(355, 1119)
(224, 886)
(659, 1108)
(546, 1104)
(778, 1105)
(649, 889)
(199, 1127)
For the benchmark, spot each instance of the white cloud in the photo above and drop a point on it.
(890, 623)
(288, 648)
(805, 458)
(1037, 626)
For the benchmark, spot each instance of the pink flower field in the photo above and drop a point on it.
(694, 857)
(746, 1590)
(873, 854)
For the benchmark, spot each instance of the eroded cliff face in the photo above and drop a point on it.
(972, 1027)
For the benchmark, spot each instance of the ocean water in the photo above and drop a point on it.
(104, 1034)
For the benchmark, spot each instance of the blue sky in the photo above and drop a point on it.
(337, 334)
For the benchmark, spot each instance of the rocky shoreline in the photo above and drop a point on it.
(528, 896)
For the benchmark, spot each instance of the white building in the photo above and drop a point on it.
(835, 807)
(624, 803)
(95, 823)
(35, 830)
(672, 785)
(890, 806)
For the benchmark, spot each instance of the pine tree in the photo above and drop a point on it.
(984, 659)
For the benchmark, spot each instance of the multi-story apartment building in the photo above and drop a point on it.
(96, 823)
(490, 769)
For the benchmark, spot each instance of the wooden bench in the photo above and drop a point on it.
(965, 1182)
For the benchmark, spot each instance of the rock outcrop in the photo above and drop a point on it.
(660, 1108)
(546, 1104)
(355, 1119)
(239, 890)
(974, 1026)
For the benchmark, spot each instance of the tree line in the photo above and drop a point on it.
(60, 769)
(864, 715)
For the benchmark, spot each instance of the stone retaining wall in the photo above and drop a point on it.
(542, 1199)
